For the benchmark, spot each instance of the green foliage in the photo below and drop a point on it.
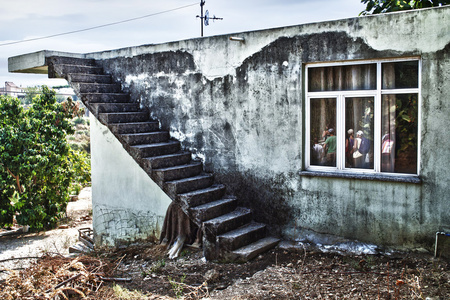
(30, 93)
(80, 165)
(185, 252)
(57, 87)
(406, 120)
(78, 120)
(384, 6)
(37, 166)
(155, 268)
(80, 140)
(177, 287)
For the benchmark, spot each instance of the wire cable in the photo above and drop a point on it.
(99, 26)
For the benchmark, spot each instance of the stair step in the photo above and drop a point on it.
(114, 107)
(78, 69)
(156, 149)
(202, 196)
(125, 117)
(225, 225)
(67, 60)
(146, 137)
(249, 252)
(180, 186)
(213, 209)
(135, 127)
(242, 236)
(83, 88)
(227, 222)
(105, 97)
(89, 78)
(164, 161)
(178, 172)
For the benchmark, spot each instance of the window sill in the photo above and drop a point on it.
(373, 177)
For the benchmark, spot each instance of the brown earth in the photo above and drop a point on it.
(143, 271)
(287, 274)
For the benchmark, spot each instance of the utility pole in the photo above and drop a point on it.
(202, 3)
(204, 19)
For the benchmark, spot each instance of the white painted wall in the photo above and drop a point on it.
(127, 204)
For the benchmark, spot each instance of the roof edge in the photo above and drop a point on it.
(35, 62)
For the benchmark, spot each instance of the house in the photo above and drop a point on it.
(12, 90)
(255, 110)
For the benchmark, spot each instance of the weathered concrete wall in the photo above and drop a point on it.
(127, 204)
(239, 106)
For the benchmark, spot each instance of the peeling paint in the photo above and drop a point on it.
(198, 154)
(179, 135)
(140, 77)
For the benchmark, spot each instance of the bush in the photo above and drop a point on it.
(78, 121)
(37, 166)
(80, 165)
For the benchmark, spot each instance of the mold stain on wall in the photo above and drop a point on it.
(246, 127)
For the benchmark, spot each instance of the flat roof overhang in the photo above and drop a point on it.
(35, 63)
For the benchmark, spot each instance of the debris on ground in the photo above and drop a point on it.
(55, 275)
(143, 271)
(86, 241)
(302, 270)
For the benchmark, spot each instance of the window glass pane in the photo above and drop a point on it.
(359, 130)
(322, 131)
(400, 75)
(399, 133)
(342, 78)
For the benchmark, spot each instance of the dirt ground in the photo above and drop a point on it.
(288, 274)
(79, 215)
(143, 271)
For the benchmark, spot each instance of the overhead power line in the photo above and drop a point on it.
(99, 26)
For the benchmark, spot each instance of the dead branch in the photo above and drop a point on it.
(15, 269)
(69, 289)
(118, 263)
(55, 254)
(18, 258)
(194, 292)
(64, 282)
(112, 279)
(17, 180)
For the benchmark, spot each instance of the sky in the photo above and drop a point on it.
(22, 20)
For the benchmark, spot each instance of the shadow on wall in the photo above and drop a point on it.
(268, 198)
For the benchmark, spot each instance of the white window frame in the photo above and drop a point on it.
(340, 117)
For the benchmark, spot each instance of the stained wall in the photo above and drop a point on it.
(239, 106)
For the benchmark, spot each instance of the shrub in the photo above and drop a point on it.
(37, 166)
(78, 121)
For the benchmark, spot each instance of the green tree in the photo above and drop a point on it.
(384, 6)
(37, 166)
(30, 93)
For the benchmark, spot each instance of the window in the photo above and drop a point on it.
(363, 117)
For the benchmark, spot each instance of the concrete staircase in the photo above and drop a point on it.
(229, 233)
